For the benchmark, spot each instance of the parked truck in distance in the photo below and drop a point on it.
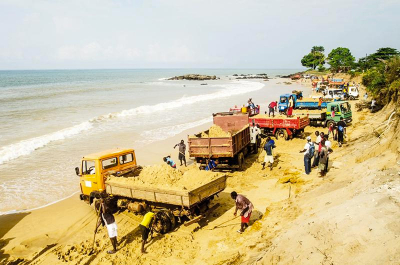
(170, 205)
(331, 115)
(304, 103)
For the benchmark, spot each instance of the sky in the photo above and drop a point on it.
(267, 34)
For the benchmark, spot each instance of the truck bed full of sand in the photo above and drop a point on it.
(166, 177)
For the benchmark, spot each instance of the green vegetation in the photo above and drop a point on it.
(383, 80)
(376, 58)
(340, 59)
(315, 58)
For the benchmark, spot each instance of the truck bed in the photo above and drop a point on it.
(314, 114)
(279, 121)
(216, 147)
(186, 198)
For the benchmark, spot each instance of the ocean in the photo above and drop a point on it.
(51, 118)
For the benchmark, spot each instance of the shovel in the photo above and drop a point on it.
(94, 236)
(224, 223)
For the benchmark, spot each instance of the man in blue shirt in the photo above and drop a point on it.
(211, 165)
(269, 158)
(169, 161)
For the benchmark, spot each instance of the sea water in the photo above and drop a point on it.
(50, 119)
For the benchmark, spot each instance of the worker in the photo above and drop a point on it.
(169, 161)
(290, 106)
(341, 130)
(245, 206)
(308, 151)
(320, 103)
(107, 219)
(254, 135)
(182, 150)
(244, 109)
(269, 158)
(146, 227)
(272, 107)
(365, 96)
(211, 164)
(250, 104)
(373, 105)
(316, 154)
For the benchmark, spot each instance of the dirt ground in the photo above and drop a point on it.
(350, 216)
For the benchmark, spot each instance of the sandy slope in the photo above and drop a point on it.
(349, 217)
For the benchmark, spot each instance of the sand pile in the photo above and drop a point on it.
(164, 176)
(215, 131)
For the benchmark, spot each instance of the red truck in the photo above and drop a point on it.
(280, 126)
(228, 150)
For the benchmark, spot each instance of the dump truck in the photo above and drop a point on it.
(280, 126)
(171, 205)
(304, 103)
(228, 150)
(324, 117)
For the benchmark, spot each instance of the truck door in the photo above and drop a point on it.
(89, 178)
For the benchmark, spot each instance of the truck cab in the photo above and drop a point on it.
(284, 101)
(95, 168)
(353, 92)
(334, 94)
(340, 109)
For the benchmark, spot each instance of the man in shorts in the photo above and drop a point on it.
(107, 219)
(245, 206)
(269, 158)
(182, 150)
(146, 228)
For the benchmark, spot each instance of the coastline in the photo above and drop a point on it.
(286, 203)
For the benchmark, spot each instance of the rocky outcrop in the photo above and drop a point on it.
(251, 76)
(194, 77)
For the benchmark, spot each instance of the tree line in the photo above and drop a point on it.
(380, 70)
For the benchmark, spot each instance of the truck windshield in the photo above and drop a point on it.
(283, 99)
(345, 107)
(88, 167)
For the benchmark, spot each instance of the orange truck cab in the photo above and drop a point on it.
(95, 168)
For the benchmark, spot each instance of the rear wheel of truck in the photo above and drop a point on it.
(282, 133)
(163, 222)
(241, 161)
(328, 123)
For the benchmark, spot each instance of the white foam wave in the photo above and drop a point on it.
(231, 89)
(25, 147)
(170, 131)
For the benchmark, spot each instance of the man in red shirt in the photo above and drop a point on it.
(272, 108)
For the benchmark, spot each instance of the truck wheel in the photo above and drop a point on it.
(282, 133)
(352, 98)
(163, 222)
(241, 161)
(328, 123)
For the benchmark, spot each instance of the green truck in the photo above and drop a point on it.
(331, 114)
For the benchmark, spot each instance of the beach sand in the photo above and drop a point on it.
(348, 217)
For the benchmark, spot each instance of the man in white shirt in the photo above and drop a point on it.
(307, 156)
(254, 132)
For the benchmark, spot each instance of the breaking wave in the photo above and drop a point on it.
(25, 147)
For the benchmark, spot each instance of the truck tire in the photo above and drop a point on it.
(240, 161)
(163, 222)
(328, 123)
(282, 133)
(352, 98)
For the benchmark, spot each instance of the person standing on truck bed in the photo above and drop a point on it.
(269, 158)
(320, 103)
(182, 150)
(290, 106)
(146, 227)
(341, 130)
(245, 206)
(272, 107)
(107, 219)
